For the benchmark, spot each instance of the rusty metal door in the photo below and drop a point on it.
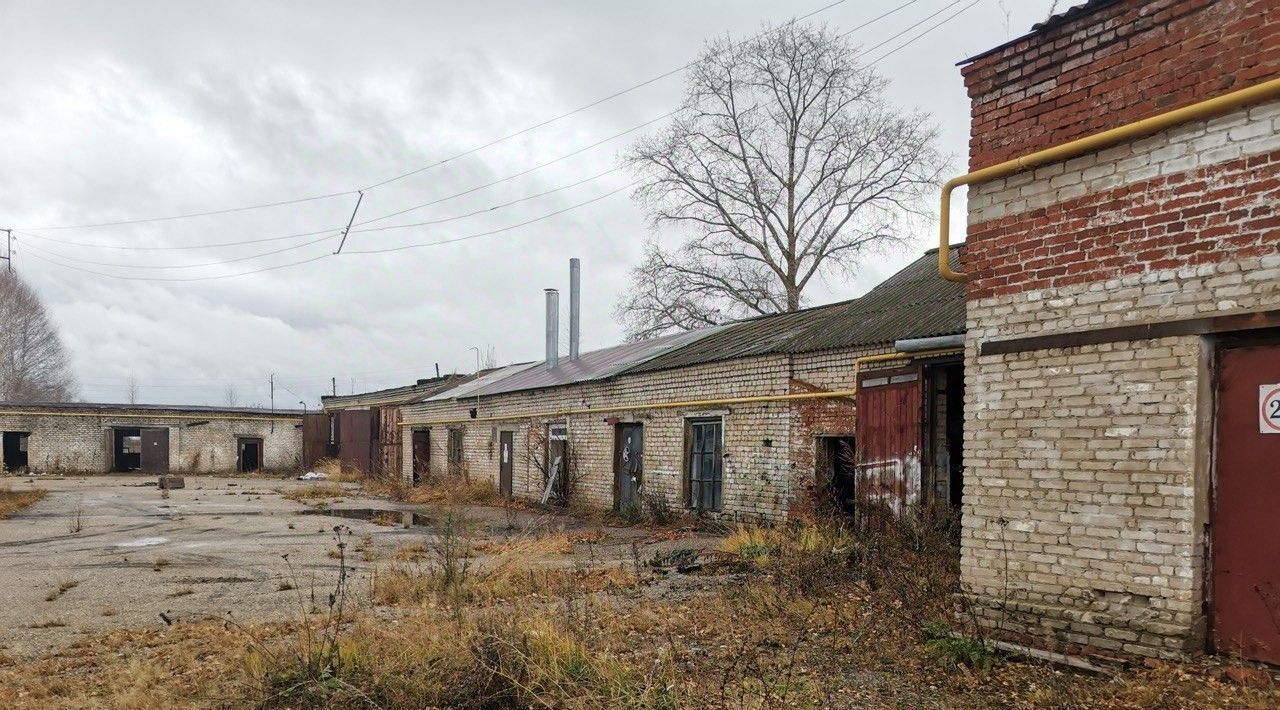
(889, 430)
(155, 450)
(315, 438)
(355, 439)
(421, 454)
(506, 461)
(1246, 504)
(628, 465)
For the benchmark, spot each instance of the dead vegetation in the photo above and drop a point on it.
(315, 492)
(13, 501)
(814, 613)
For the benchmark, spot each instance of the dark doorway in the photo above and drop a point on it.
(15, 450)
(155, 450)
(127, 448)
(421, 454)
(248, 454)
(506, 462)
(628, 465)
(559, 467)
(1246, 567)
(955, 434)
(836, 469)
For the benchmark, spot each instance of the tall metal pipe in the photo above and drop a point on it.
(553, 328)
(575, 305)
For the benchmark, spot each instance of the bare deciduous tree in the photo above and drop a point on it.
(131, 388)
(786, 163)
(230, 397)
(33, 361)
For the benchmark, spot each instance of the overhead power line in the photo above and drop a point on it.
(474, 189)
(328, 236)
(456, 156)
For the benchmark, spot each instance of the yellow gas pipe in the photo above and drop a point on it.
(698, 403)
(1204, 109)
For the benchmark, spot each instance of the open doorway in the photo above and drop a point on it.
(248, 454)
(15, 450)
(127, 450)
(835, 469)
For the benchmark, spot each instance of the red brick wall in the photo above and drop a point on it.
(1224, 212)
(1131, 60)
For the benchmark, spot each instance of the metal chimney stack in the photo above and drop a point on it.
(553, 328)
(575, 305)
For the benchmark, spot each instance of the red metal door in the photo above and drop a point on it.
(355, 438)
(315, 439)
(1246, 504)
(890, 409)
(155, 450)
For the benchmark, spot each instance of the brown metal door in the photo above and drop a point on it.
(1246, 504)
(628, 465)
(355, 439)
(315, 438)
(421, 454)
(506, 461)
(155, 450)
(890, 413)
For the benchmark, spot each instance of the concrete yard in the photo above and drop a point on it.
(213, 549)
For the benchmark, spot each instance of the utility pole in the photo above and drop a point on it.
(8, 255)
(334, 381)
(271, 382)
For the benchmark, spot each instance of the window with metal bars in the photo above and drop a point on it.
(706, 463)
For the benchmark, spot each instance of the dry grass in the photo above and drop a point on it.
(807, 624)
(159, 563)
(333, 470)
(66, 586)
(314, 492)
(12, 501)
(447, 490)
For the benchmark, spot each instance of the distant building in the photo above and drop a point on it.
(109, 438)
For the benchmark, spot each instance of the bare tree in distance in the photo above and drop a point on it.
(230, 397)
(131, 388)
(785, 163)
(34, 365)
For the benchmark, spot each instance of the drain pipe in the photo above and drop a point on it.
(1202, 110)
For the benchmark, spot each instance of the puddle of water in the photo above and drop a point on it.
(144, 542)
(390, 518)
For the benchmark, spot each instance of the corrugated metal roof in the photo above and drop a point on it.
(468, 389)
(914, 303)
(405, 394)
(159, 409)
(594, 365)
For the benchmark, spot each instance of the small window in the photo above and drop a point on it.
(455, 452)
(706, 464)
(132, 445)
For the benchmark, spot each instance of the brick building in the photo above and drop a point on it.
(105, 438)
(363, 430)
(1123, 303)
(736, 420)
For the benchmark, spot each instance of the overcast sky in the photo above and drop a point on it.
(115, 111)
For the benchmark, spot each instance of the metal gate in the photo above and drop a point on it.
(155, 450)
(355, 439)
(1246, 526)
(889, 419)
(315, 439)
